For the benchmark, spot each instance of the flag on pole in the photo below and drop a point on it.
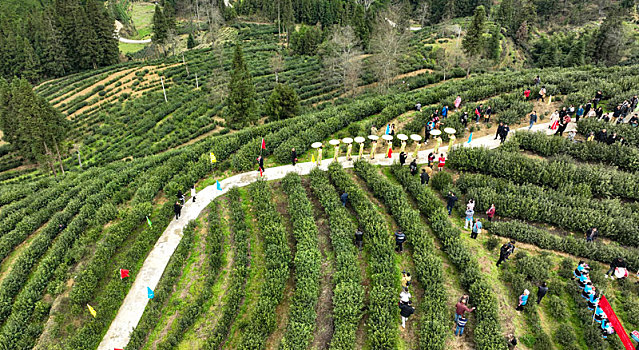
(312, 158)
(549, 100)
(470, 138)
(124, 273)
(616, 324)
(213, 159)
(149, 292)
(219, 185)
(261, 173)
(148, 221)
(263, 144)
(390, 153)
(92, 311)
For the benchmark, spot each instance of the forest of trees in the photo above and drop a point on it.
(55, 39)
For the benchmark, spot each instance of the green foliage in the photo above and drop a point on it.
(348, 294)
(534, 268)
(278, 257)
(533, 203)
(240, 104)
(473, 41)
(305, 40)
(307, 266)
(33, 127)
(442, 181)
(557, 307)
(487, 330)
(624, 157)
(610, 40)
(160, 26)
(428, 266)
(526, 233)
(493, 47)
(282, 104)
(190, 42)
(241, 260)
(383, 272)
(554, 173)
(492, 242)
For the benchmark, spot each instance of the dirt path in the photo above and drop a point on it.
(324, 325)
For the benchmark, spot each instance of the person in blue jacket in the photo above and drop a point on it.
(523, 300)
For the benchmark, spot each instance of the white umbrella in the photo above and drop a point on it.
(415, 137)
(316, 144)
(450, 131)
(347, 140)
(359, 139)
(334, 142)
(387, 137)
(373, 137)
(402, 137)
(435, 132)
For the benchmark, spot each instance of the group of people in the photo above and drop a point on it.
(542, 290)
(181, 200)
(603, 136)
(461, 308)
(406, 308)
(589, 292)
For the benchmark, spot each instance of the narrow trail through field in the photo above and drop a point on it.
(136, 300)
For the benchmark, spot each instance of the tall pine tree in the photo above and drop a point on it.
(610, 40)
(473, 41)
(240, 103)
(30, 124)
(160, 27)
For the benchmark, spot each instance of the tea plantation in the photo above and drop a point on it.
(274, 265)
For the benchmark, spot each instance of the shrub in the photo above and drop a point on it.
(442, 181)
(565, 335)
(492, 242)
(557, 308)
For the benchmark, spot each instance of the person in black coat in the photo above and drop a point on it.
(260, 162)
(402, 158)
(293, 156)
(504, 133)
(424, 177)
(612, 138)
(359, 238)
(541, 291)
(602, 136)
(450, 202)
(405, 311)
(499, 130)
(177, 209)
(413, 167)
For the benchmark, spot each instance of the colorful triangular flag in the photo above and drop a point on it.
(312, 158)
(219, 185)
(149, 292)
(124, 273)
(263, 144)
(470, 138)
(92, 311)
(213, 159)
(148, 221)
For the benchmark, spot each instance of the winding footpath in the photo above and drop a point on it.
(132, 308)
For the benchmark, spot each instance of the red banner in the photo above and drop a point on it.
(612, 318)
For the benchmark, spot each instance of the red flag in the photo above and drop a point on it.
(124, 273)
(616, 324)
(263, 144)
(117, 349)
(260, 172)
(390, 153)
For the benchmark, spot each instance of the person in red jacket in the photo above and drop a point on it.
(442, 162)
(461, 308)
(491, 212)
(526, 94)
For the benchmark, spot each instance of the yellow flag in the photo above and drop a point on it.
(550, 100)
(213, 159)
(312, 158)
(92, 310)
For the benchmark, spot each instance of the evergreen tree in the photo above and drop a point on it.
(493, 49)
(240, 103)
(610, 40)
(283, 103)
(506, 15)
(160, 28)
(473, 41)
(545, 52)
(104, 27)
(30, 124)
(190, 42)
(577, 55)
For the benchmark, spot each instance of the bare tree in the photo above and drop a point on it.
(210, 14)
(366, 3)
(423, 13)
(277, 63)
(387, 45)
(341, 57)
(218, 83)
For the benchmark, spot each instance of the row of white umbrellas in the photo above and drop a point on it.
(403, 137)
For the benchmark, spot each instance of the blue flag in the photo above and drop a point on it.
(219, 186)
(470, 138)
(150, 292)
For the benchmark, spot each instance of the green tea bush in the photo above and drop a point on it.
(428, 266)
(557, 308)
(487, 330)
(302, 317)
(348, 293)
(442, 181)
